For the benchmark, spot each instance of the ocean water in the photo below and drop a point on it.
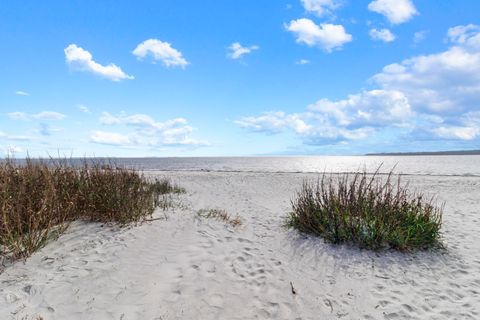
(464, 165)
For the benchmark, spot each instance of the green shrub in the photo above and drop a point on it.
(368, 211)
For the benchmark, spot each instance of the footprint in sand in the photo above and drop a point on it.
(215, 300)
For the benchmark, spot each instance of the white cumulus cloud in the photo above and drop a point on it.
(49, 115)
(321, 7)
(18, 115)
(327, 121)
(455, 132)
(80, 59)
(110, 138)
(384, 35)
(18, 138)
(237, 51)
(467, 36)
(326, 36)
(83, 108)
(302, 61)
(43, 115)
(442, 83)
(375, 108)
(160, 51)
(419, 36)
(431, 97)
(274, 122)
(149, 132)
(396, 11)
(311, 127)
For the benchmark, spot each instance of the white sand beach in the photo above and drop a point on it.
(191, 268)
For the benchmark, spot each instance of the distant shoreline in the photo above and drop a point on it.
(430, 153)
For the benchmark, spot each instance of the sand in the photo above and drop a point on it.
(190, 268)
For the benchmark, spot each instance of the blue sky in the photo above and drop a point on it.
(230, 78)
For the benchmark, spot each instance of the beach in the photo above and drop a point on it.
(231, 160)
(181, 266)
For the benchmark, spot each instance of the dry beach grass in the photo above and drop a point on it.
(220, 214)
(38, 199)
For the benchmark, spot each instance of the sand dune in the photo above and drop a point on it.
(191, 268)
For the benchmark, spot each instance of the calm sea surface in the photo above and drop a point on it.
(466, 165)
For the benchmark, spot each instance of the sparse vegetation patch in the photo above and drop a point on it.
(220, 214)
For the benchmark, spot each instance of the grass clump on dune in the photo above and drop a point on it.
(369, 211)
(38, 199)
(220, 214)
